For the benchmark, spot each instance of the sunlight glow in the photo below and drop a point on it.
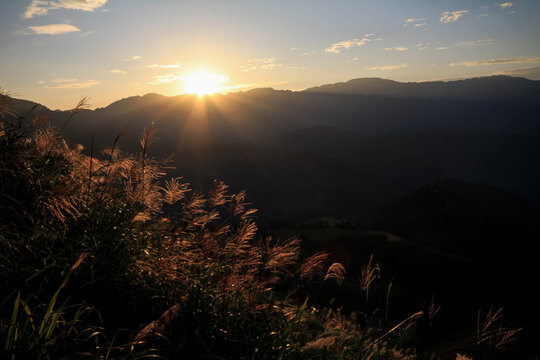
(203, 83)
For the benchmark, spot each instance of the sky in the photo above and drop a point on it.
(54, 52)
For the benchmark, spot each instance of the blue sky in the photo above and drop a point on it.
(55, 51)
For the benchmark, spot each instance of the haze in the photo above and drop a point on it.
(53, 52)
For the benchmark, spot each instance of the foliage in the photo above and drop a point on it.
(149, 267)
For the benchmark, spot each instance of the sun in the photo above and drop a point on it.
(203, 83)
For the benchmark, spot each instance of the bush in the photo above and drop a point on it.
(146, 263)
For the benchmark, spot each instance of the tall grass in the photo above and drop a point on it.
(148, 266)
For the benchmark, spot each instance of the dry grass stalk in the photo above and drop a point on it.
(490, 331)
(83, 103)
(40, 119)
(432, 310)
(368, 274)
(336, 271)
(313, 265)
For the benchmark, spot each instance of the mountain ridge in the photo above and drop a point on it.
(283, 146)
(345, 87)
(463, 88)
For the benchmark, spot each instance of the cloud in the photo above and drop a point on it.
(388, 67)
(262, 60)
(423, 46)
(506, 5)
(518, 60)
(396, 48)
(62, 80)
(167, 66)
(74, 85)
(164, 79)
(36, 8)
(269, 66)
(347, 44)
(475, 43)
(441, 48)
(452, 16)
(416, 22)
(118, 72)
(136, 57)
(42, 7)
(53, 29)
(263, 64)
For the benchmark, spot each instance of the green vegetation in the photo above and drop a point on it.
(103, 257)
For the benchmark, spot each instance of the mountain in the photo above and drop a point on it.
(368, 106)
(414, 159)
(482, 88)
(338, 150)
(475, 221)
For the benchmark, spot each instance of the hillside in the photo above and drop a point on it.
(486, 88)
(78, 223)
(475, 221)
(368, 140)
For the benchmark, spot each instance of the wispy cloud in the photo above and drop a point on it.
(423, 46)
(388, 67)
(269, 66)
(53, 29)
(63, 80)
(263, 64)
(396, 48)
(164, 79)
(416, 22)
(42, 7)
(136, 57)
(452, 16)
(506, 5)
(306, 53)
(262, 60)
(475, 43)
(74, 85)
(166, 66)
(517, 60)
(347, 44)
(442, 48)
(118, 72)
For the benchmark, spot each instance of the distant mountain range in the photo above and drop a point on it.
(483, 88)
(451, 167)
(340, 150)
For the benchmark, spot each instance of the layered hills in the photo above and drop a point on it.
(340, 150)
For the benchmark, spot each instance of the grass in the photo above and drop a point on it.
(102, 256)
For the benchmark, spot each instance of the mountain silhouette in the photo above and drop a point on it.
(476, 88)
(338, 150)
